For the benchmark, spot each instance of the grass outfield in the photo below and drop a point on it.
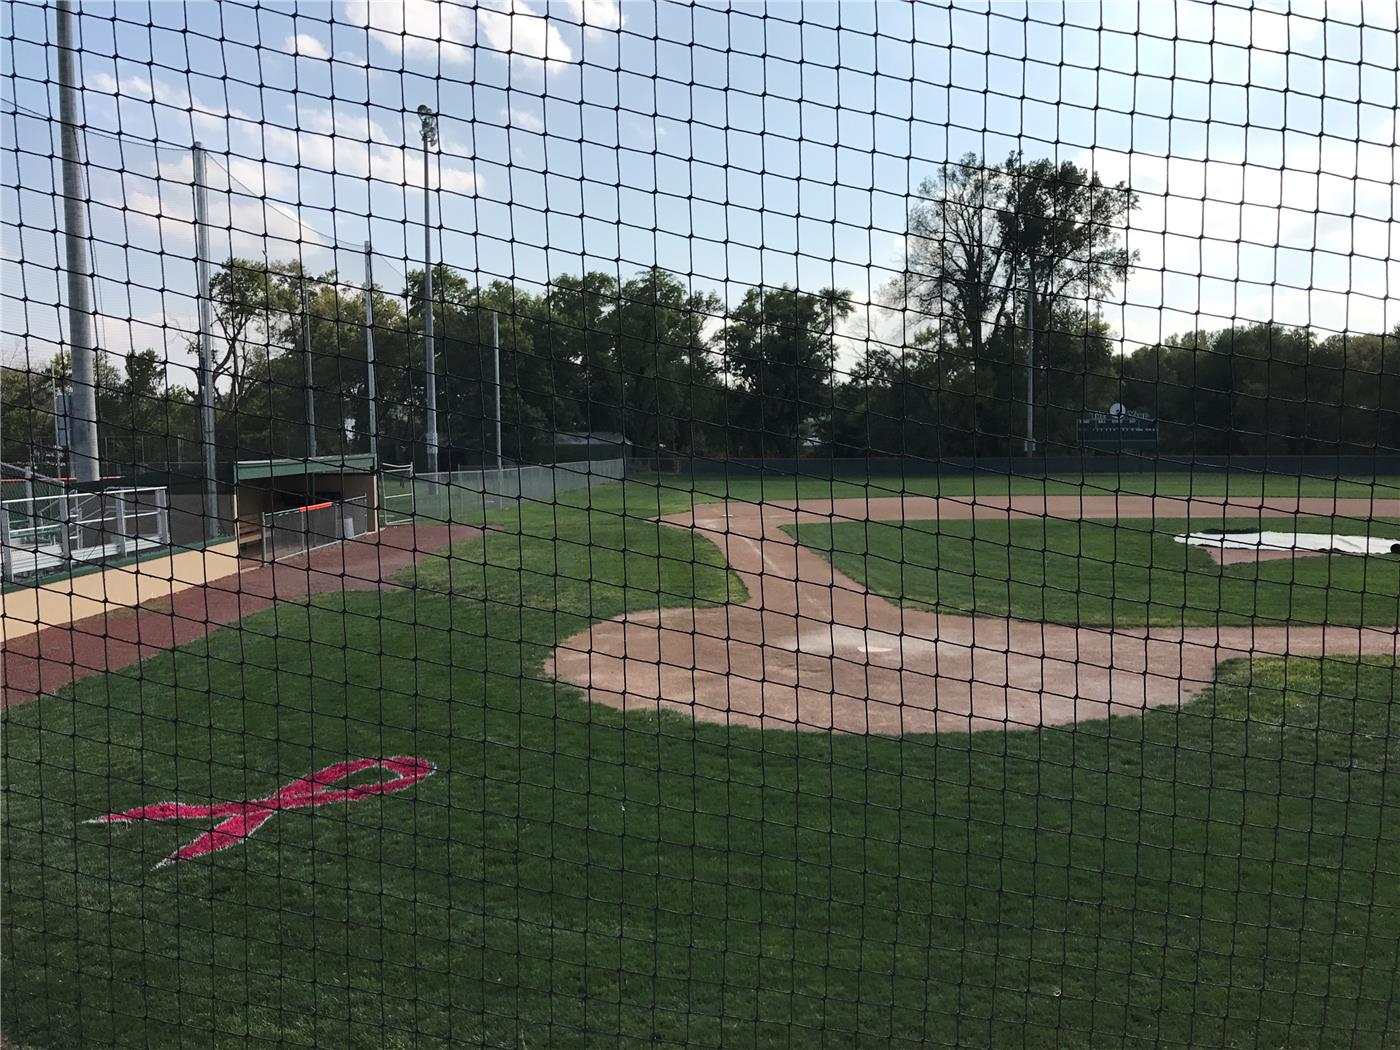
(743, 485)
(1222, 875)
(1128, 572)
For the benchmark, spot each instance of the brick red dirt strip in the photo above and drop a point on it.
(811, 649)
(50, 658)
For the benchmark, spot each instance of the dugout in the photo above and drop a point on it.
(264, 486)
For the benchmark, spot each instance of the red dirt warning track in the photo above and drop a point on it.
(49, 659)
(812, 649)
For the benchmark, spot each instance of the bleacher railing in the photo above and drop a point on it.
(48, 535)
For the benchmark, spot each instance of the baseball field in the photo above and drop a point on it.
(913, 762)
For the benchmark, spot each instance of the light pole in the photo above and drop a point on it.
(430, 137)
(82, 401)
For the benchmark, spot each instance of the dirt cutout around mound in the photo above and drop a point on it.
(49, 659)
(812, 649)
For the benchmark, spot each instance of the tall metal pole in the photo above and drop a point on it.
(496, 353)
(82, 438)
(60, 416)
(307, 376)
(369, 354)
(1030, 360)
(206, 345)
(430, 427)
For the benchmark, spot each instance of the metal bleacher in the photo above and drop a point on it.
(51, 533)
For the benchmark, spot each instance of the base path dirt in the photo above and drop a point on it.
(49, 659)
(812, 649)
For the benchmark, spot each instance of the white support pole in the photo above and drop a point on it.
(1030, 359)
(65, 539)
(82, 422)
(7, 561)
(206, 346)
(163, 516)
(496, 353)
(119, 512)
(369, 355)
(307, 374)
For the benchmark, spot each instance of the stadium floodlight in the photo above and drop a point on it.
(429, 121)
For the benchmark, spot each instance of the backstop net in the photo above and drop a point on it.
(737, 525)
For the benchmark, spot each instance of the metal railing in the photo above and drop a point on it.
(47, 535)
(288, 533)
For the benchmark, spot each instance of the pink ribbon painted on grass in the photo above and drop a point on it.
(241, 819)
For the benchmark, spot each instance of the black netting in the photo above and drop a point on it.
(589, 524)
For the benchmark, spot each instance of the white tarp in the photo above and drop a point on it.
(1292, 541)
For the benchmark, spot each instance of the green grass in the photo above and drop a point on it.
(1224, 875)
(1128, 572)
(743, 485)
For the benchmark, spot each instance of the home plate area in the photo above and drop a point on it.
(813, 649)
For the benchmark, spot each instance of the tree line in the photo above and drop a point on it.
(1004, 263)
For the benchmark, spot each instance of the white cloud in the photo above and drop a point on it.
(521, 31)
(404, 167)
(524, 119)
(1305, 243)
(131, 86)
(447, 31)
(430, 30)
(305, 45)
(595, 14)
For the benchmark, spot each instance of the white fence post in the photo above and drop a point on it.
(7, 565)
(163, 516)
(119, 507)
(65, 538)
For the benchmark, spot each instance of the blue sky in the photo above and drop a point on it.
(735, 146)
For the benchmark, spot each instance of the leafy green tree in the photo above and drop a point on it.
(957, 274)
(662, 359)
(780, 347)
(1275, 389)
(27, 421)
(142, 418)
(983, 236)
(1064, 227)
(580, 327)
(894, 403)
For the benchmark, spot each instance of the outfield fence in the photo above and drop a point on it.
(1383, 465)
(467, 495)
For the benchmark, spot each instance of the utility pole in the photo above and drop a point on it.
(496, 372)
(206, 346)
(83, 402)
(1030, 359)
(307, 375)
(369, 354)
(430, 138)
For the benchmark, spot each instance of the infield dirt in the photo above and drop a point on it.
(812, 649)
